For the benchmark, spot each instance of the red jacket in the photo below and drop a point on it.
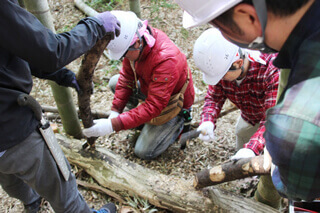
(162, 71)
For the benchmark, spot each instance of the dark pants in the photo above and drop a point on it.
(28, 171)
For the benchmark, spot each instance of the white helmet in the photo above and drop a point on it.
(214, 55)
(202, 11)
(129, 24)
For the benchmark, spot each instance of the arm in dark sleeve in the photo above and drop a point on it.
(24, 36)
(63, 77)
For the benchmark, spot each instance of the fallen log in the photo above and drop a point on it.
(232, 170)
(124, 177)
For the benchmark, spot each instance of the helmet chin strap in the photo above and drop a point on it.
(242, 71)
(262, 12)
(242, 67)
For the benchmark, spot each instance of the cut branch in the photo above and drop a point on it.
(95, 113)
(100, 189)
(233, 170)
(84, 78)
(85, 8)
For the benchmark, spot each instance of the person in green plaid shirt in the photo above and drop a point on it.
(292, 28)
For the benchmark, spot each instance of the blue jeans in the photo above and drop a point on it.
(153, 140)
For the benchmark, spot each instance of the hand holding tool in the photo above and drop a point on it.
(101, 127)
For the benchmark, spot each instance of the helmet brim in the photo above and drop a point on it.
(212, 79)
(188, 21)
(193, 21)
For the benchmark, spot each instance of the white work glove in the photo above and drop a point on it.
(113, 114)
(206, 129)
(101, 127)
(243, 153)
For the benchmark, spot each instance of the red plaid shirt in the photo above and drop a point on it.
(256, 93)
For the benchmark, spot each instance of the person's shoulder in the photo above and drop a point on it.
(268, 57)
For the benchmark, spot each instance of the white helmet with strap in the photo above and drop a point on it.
(129, 25)
(214, 55)
(203, 11)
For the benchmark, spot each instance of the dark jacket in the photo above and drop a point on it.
(162, 71)
(28, 48)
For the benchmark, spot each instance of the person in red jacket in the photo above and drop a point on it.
(153, 70)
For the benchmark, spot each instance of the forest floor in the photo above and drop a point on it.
(167, 16)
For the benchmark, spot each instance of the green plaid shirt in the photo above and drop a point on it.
(293, 126)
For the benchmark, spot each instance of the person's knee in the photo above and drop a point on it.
(113, 82)
(144, 154)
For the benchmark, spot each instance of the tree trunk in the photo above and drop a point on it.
(62, 95)
(232, 170)
(135, 7)
(124, 177)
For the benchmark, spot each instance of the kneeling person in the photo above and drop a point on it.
(153, 70)
(249, 80)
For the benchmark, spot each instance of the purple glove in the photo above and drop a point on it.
(110, 22)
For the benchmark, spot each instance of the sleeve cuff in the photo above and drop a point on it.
(116, 124)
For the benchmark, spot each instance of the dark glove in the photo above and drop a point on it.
(110, 22)
(75, 84)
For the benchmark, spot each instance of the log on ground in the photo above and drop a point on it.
(232, 170)
(168, 192)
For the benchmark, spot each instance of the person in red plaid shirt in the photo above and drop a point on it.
(249, 80)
